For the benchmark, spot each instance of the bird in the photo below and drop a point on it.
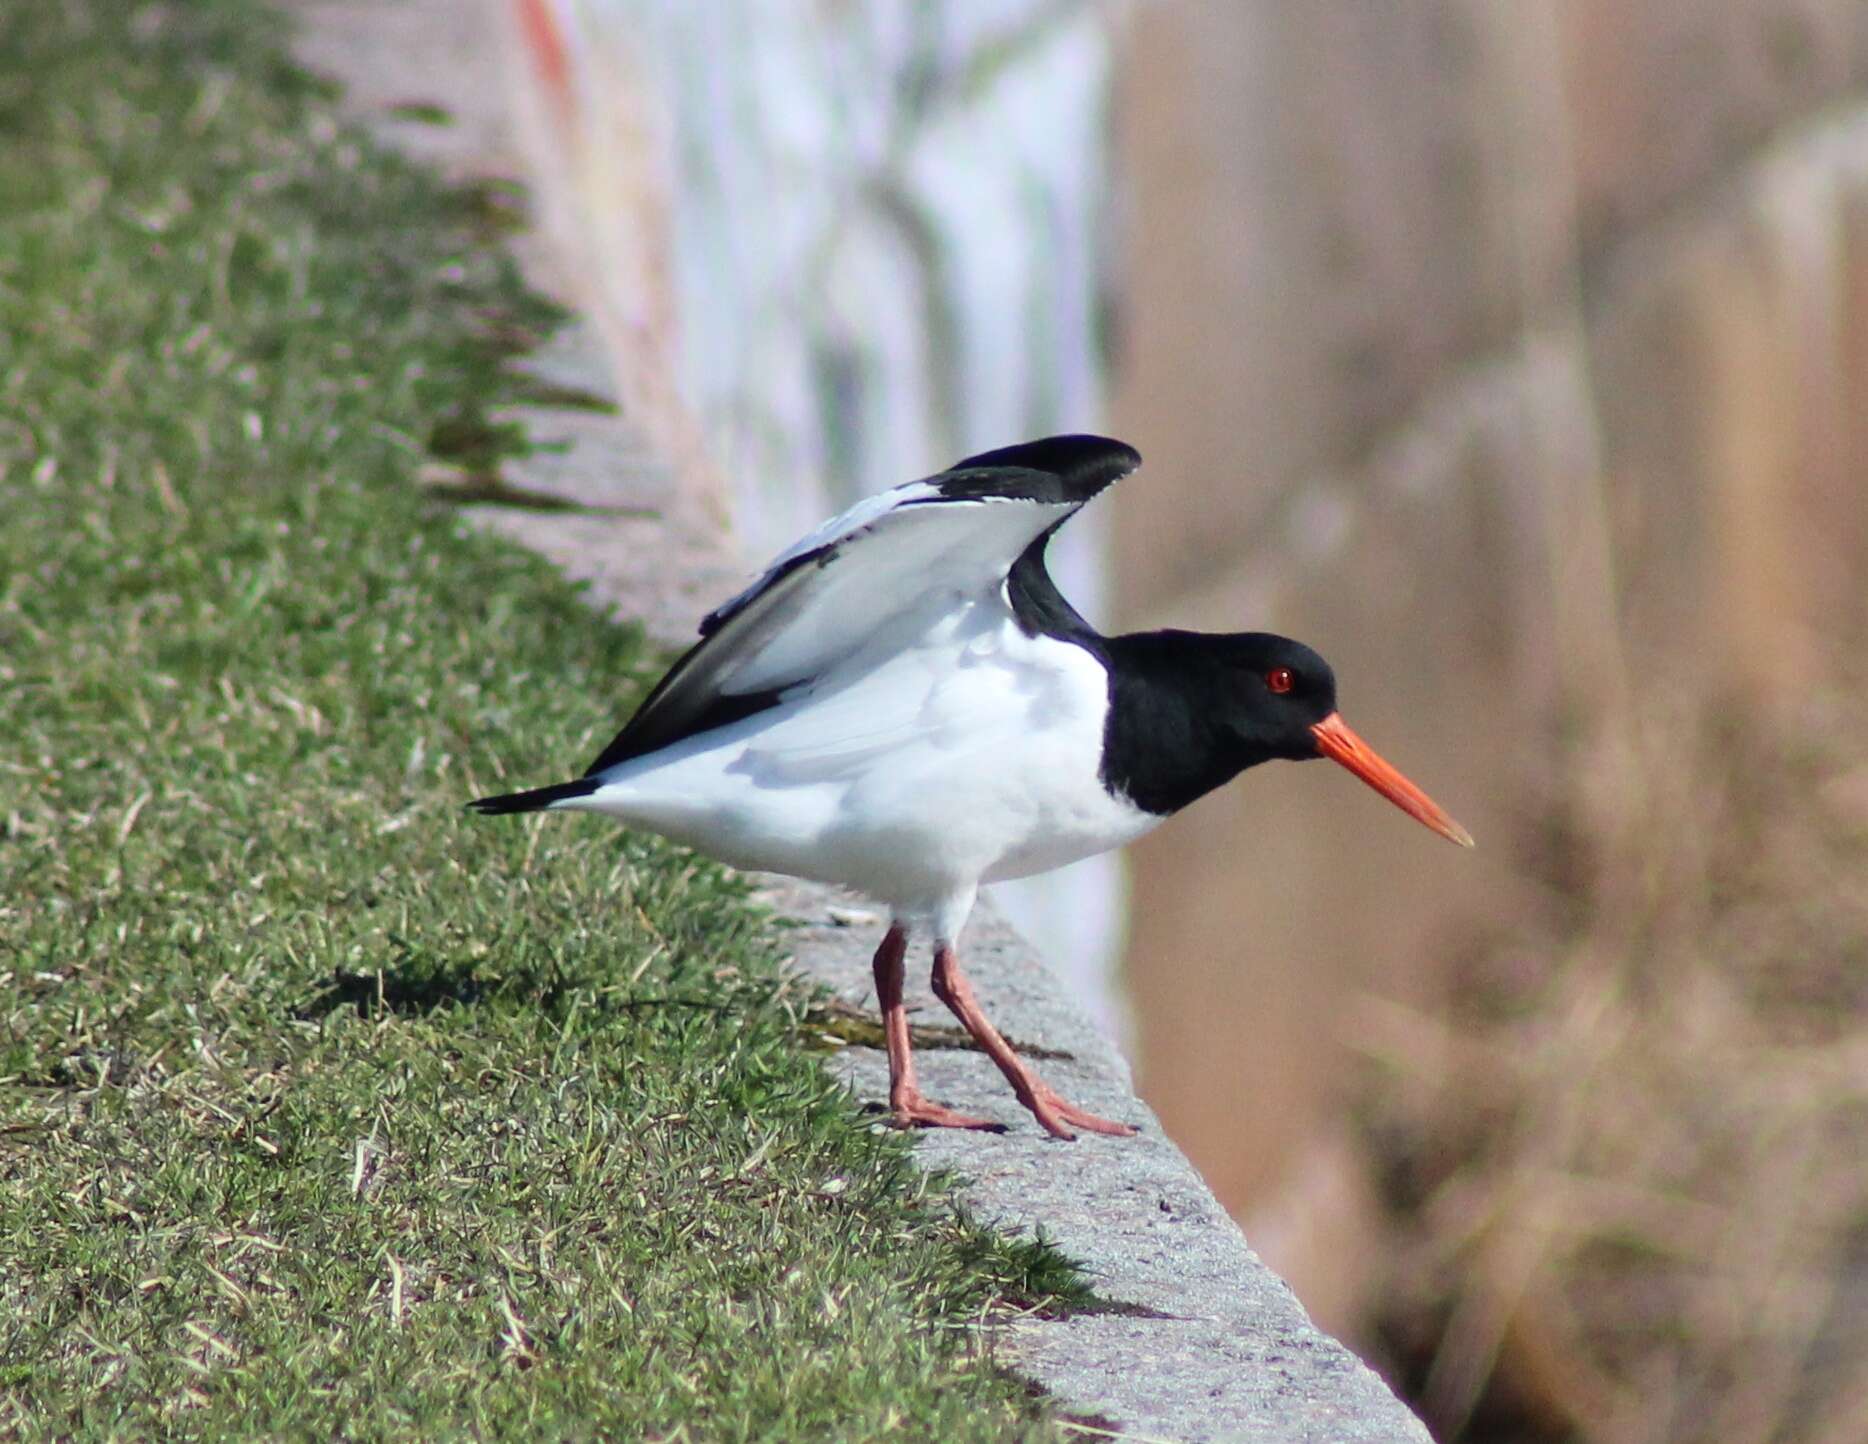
(904, 704)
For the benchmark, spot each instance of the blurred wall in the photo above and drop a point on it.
(1514, 355)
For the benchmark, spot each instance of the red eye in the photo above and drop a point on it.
(1280, 679)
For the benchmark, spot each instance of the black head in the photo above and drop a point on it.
(1190, 711)
(1275, 692)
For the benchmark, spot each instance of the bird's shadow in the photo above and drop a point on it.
(417, 990)
(394, 990)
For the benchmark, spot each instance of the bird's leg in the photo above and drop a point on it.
(910, 1108)
(952, 988)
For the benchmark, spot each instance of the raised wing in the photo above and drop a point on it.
(887, 563)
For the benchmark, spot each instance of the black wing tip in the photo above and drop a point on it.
(535, 800)
(1070, 468)
(633, 742)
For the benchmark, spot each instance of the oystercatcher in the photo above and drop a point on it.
(905, 704)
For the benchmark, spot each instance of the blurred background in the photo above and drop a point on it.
(1515, 355)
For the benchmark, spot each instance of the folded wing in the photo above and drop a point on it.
(886, 568)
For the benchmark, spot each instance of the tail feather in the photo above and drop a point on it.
(537, 799)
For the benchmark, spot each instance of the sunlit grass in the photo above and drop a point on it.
(325, 1106)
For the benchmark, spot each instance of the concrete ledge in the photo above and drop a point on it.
(1218, 1348)
(1224, 1350)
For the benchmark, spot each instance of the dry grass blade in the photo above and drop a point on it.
(1627, 1162)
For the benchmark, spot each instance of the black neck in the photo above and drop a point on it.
(1039, 607)
(1167, 741)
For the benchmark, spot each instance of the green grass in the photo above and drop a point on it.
(323, 1104)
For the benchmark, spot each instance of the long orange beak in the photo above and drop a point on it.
(1336, 742)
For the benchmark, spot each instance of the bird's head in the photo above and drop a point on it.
(1284, 706)
(1280, 691)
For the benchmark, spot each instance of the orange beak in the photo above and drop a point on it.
(1336, 742)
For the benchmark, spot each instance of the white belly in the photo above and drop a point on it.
(970, 757)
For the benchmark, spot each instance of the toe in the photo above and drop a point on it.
(917, 1112)
(1044, 1108)
(1070, 1113)
(1101, 1125)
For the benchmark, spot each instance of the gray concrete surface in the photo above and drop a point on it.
(1214, 1345)
(1223, 1351)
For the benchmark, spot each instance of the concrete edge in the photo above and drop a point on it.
(1214, 1346)
(1218, 1347)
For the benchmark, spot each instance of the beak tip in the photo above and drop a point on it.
(1336, 742)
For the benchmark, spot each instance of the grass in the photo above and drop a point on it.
(325, 1106)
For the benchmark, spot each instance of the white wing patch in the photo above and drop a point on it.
(875, 591)
(843, 525)
(888, 584)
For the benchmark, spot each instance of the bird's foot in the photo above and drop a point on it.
(1056, 1116)
(911, 1110)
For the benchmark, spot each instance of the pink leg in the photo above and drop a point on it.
(910, 1108)
(952, 988)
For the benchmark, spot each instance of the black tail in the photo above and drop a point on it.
(537, 798)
